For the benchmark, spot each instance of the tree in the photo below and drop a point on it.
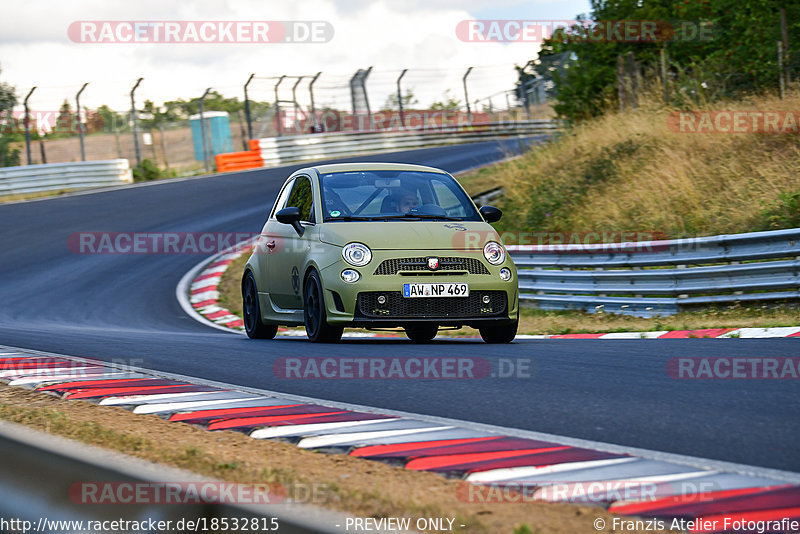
(8, 99)
(66, 124)
(450, 103)
(110, 120)
(736, 54)
(409, 100)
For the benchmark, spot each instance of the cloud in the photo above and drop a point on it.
(387, 34)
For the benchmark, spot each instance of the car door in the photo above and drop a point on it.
(266, 244)
(291, 250)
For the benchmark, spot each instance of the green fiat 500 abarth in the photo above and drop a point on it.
(379, 245)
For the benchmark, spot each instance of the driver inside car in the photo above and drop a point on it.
(403, 201)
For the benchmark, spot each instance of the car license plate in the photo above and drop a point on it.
(435, 290)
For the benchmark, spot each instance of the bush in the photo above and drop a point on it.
(146, 171)
(8, 157)
(785, 213)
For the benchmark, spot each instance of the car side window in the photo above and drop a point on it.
(302, 198)
(447, 199)
(280, 202)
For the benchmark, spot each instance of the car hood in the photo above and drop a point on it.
(410, 235)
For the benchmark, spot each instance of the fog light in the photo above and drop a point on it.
(505, 274)
(350, 276)
(486, 299)
(381, 300)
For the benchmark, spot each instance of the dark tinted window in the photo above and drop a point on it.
(280, 202)
(302, 198)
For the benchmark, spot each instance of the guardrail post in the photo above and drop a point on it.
(135, 124)
(27, 125)
(247, 111)
(466, 95)
(203, 129)
(80, 122)
(400, 99)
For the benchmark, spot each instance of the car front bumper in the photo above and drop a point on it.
(491, 300)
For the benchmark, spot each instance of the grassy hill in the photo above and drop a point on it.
(631, 172)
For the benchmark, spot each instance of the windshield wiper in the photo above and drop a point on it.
(442, 217)
(419, 216)
(352, 218)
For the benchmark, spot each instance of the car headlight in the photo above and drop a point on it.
(357, 254)
(494, 253)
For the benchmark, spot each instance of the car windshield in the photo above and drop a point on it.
(402, 195)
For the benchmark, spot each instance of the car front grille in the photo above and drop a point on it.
(444, 307)
(395, 265)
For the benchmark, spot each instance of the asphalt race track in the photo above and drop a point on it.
(123, 308)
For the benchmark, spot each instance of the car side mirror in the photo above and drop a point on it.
(490, 214)
(291, 216)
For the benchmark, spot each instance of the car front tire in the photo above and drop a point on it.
(500, 333)
(316, 321)
(252, 311)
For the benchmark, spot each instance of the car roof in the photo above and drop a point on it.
(373, 166)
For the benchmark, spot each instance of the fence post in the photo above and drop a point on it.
(27, 122)
(296, 106)
(663, 54)
(135, 124)
(366, 98)
(279, 127)
(785, 39)
(163, 145)
(621, 82)
(781, 81)
(203, 130)
(247, 111)
(633, 80)
(80, 122)
(311, 94)
(466, 95)
(400, 99)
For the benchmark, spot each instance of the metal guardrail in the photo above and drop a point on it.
(58, 176)
(41, 483)
(487, 197)
(660, 277)
(288, 149)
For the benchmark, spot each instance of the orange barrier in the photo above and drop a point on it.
(238, 161)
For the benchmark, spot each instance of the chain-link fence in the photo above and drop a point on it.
(170, 136)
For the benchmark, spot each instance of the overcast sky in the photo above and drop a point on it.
(389, 35)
